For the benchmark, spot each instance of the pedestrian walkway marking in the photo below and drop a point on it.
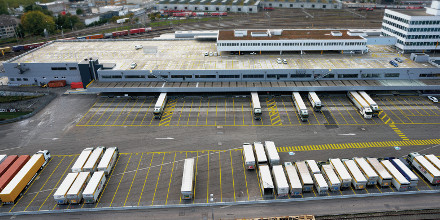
(273, 112)
(360, 145)
(168, 113)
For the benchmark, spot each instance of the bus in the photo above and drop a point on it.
(358, 179)
(94, 187)
(248, 155)
(260, 153)
(279, 178)
(272, 153)
(82, 159)
(320, 184)
(367, 170)
(406, 172)
(399, 181)
(341, 172)
(108, 160)
(75, 193)
(60, 196)
(332, 179)
(188, 179)
(266, 183)
(315, 101)
(359, 102)
(93, 161)
(293, 178)
(304, 175)
(256, 107)
(384, 177)
(160, 105)
(300, 106)
(313, 166)
(373, 105)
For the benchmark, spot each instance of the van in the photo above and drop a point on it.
(133, 65)
(137, 47)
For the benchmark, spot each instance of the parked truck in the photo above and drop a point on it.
(293, 178)
(4, 166)
(359, 102)
(373, 105)
(330, 176)
(94, 187)
(13, 170)
(25, 176)
(426, 168)
(75, 193)
(92, 163)
(272, 153)
(256, 107)
(108, 160)
(280, 180)
(315, 101)
(82, 159)
(60, 196)
(301, 108)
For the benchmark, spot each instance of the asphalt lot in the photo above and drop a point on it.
(149, 168)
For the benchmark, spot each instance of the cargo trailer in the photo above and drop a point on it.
(94, 187)
(160, 105)
(320, 184)
(384, 177)
(293, 179)
(266, 183)
(373, 105)
(14, 168)
(425, 167)
(361, 104)
(4, 166)
(248, 156)
(315, 101)
(108, 160)
(313, 166)
(304, 175)
(399, 181)
(92, 163)
(272, 153)
(333, 182)
(2, 157)
(406, 172)
(341, 172)
(60, 196)
(367, 170)
(358, 179)
(24, 177)
(82, 159)
(256, 107)
(187, 188)
(434, 160)
(301, 108)
(260, 153)
(75, 193)
(280, 181)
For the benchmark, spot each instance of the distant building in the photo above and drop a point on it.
(108, 2)
(415, 30)
(55, 7)
(316, 4)
(7, 26)
(247, 6)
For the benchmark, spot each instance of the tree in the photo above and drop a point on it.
(68, 21)
(3, 7)
(34, 22)
(79, 11)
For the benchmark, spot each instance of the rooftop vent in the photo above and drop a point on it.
(259, 34)
(336, 33)
(240, 33)
(277, 32)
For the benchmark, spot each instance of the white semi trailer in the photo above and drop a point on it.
(300, 106)
(373, 105)
(256, 107)
(425, 167)
(160, 105)
(361, 104)
(315, 101)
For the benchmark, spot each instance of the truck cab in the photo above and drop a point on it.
(257, 113)
(367, 112)
(46, 155)
(304, 115)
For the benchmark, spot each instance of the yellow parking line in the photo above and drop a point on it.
(129, 112)
(148, 110)
(131, 185)
(245, 178)
(207, 111)
(180, 115)
(180, 197)
(38, 176)
(89, 110)
(242, 112)
(105, 110)
(422, 179)
(233, 108)
(232, 171)
(190, 109)
(331, 113)
(285, 109)
(406, 106)
(225, 109)
(331, 100)
(195, 178)
(44, 184)
(96, 110)
(207, 183)
(349, 111)
(146, 177)
(56, 185)
(120, 113)
(171, 177)
(198, 112)
(123, 174)
(105, 123)
(413, 107)
(220, 172)
(386, 115)
(158, 176)
(401, 111)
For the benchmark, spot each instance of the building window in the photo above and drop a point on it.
(181, 76)
(59, 68)
(205, 76)
(228, 9)
(370, 75)
(134, 76)
(56, 77)
(216, 9)
(186, 8)
(324, 6)
(18, 79)
(281, 5)
(271, 76)
(206, 8)
(195, 8)
(429, 75)
(348, 76)
(72, 68)
(253, 76)
(291, 5)
(250, 9)
(25, 79)
(313, 6)
(239, 9)
(392, 74)
(12, 79)
(229, 76)
(301, 75)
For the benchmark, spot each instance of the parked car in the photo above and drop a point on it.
(210, 54)
(206, 53)
(215, 53)
(137, 47)
(433, 99)
(392, 62)
(133, 65)
(253, 53)
(398, 60)
(279, 61)
(284, 61)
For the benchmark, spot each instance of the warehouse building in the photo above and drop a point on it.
(315, 4)
(247, 6)
(291, 40)
(415, 30)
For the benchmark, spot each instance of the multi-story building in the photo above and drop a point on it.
(415, 30)
(109, 2)
(55, 7)
(7, 26)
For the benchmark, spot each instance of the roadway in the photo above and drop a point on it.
(211, 128)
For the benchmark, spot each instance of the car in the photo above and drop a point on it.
(215, 53)
(253, 53)
(284, 61)
(241, 53)
(206, 53)
(279, 61)
(433, 99)
(210, 54)
(137, 47)
(398, 60)
(133, 65)
(394, 63)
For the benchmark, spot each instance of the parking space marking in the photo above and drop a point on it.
(158, 177)
(102, 114)
(96, 111)
(401, 111)
(359, 145)
(245, 178)
(190, 109)
(181, 110)
(195, 177)
(171, 177)
(56, 185)
(131, 185)
(273, 112)
(44, 183)
(129, 112)
(232, 170)
(331, 100)
(41, 171)
(220, 171)
(121, 112)
(383, 117)
(285, 109)
(148, 110)
(198, 112)
(89, 110)
(145, 181)
(123, 174)
(410, 105)
(346, 108)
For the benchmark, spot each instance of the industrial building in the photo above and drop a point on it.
(415, 30)
(315, 4)
(247, 6)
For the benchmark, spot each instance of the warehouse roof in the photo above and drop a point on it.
(289, 35)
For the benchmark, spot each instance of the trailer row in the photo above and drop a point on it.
(88, 176)
(115, 34)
